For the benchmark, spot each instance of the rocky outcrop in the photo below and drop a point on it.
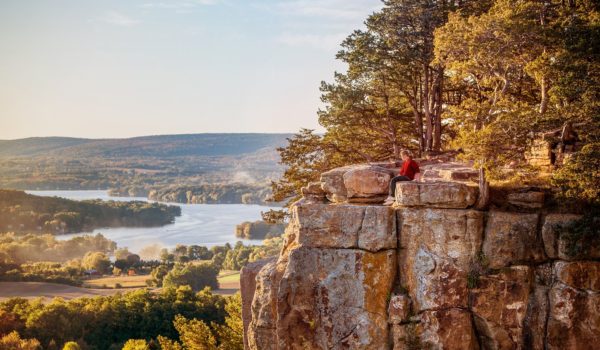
(428, 272)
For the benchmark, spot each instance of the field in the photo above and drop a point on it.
(229, 282)
(32, 290)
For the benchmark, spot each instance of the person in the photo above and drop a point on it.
(409, 172)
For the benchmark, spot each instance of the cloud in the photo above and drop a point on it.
(119, 19)
(317, 41)
(332, 9)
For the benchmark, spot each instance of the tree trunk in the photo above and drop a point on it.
(437, 135)
(427, 109)
(484, 191)
(544, 100)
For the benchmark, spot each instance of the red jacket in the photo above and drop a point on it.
(409, 169)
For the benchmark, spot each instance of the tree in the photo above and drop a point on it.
(579, 178)
(71, 345)
(13, 341)
(508, 61)
(194, 334)
(231, 334)
(96, 261)
(136, 344)
(197, 276)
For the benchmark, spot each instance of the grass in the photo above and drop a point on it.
(138, 281)
(230, 278)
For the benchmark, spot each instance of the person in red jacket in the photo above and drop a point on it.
(409, 172)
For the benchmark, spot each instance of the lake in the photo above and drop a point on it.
(202, 224)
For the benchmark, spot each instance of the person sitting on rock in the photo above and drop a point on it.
(409, 171)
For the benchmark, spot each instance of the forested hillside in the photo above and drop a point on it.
(137, 166)
(22, 212)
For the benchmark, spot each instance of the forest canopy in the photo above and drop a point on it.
(482, 77)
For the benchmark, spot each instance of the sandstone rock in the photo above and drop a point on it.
(399, 308)
(531, 199)
(344, 226)
(557, 241)
(367, 183)
(437, 248)
(332, 182)
(362, 183)
(261, 331)
(574, 321)
(334, 299)
(579, 274)
(447, 329)
(247, 288)
(378, 229)
(459, 174)
(404, 337)
(535, 320)
(511, 238)
(435, 194)
(313, 192)
(499, 306)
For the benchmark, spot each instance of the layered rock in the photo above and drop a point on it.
(435, 194)
(499, 305)
(426, 273)
(512, 238)
(437, 248)
(574, 304)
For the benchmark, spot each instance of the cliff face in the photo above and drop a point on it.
(428, 272)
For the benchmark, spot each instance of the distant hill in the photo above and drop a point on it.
(145, 146)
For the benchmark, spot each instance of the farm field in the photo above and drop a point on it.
(229, 282)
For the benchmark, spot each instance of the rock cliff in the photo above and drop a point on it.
(429, 272)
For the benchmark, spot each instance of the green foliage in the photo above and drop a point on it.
(579, 178)
(21, 212)
(194, 334)
(13, 341)
(32, 248)
(136, 344)
(104, 321)
(196, 275)
(96, 261)
(71, 346)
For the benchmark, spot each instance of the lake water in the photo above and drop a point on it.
(202, 224)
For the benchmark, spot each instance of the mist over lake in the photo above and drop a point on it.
(201, 224)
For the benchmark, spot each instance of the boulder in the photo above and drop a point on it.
(511, 238)
(332, 183)
(435, 194)
(335, 299)
(437, 249)
(574, 321)
(530, 199)
(557, 241)
(459, 174)
(499, 305)
(361, 183)
(367, 184)
(247, 287)
(344, 226)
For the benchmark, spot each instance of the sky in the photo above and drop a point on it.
(122, 68)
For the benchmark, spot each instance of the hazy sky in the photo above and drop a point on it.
(117, 68)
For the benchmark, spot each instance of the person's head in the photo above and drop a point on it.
(405, 154)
